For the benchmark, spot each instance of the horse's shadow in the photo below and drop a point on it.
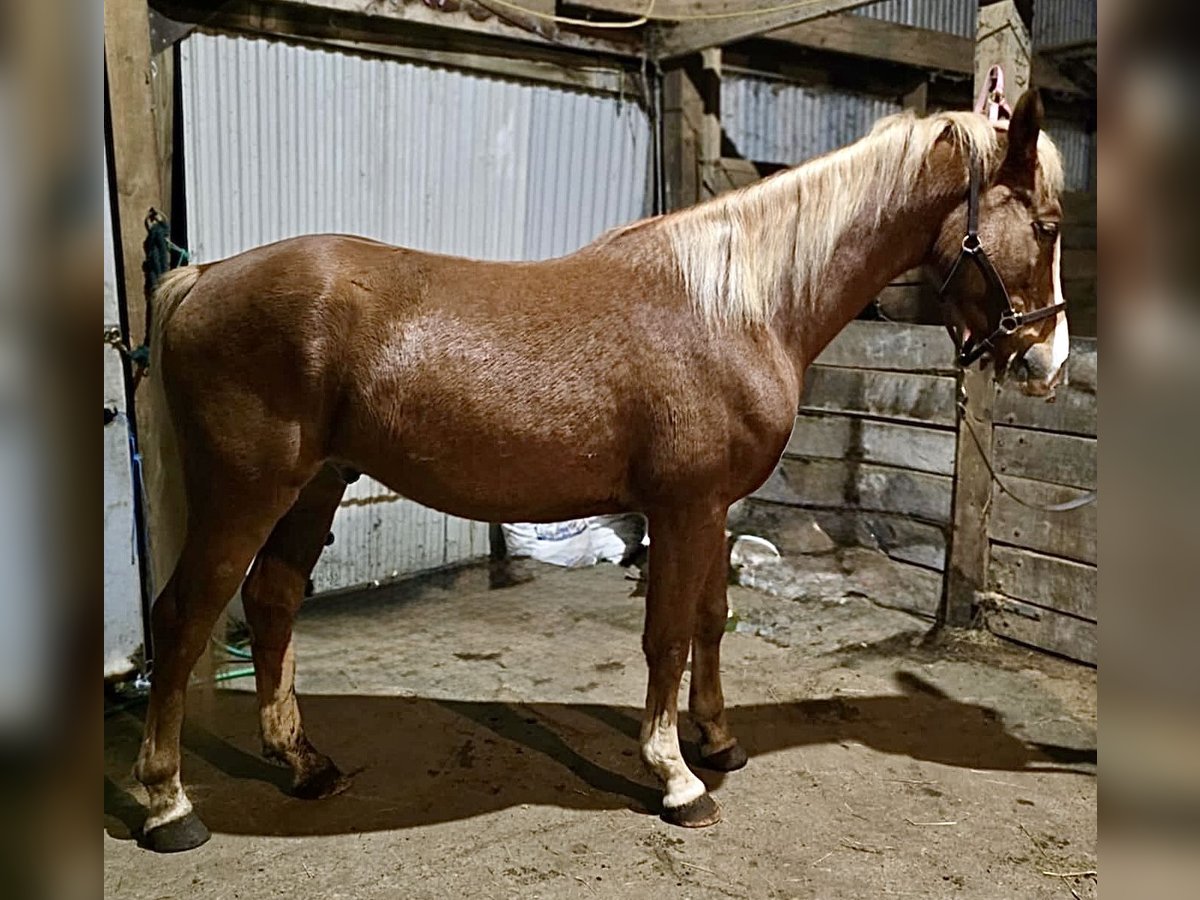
(422, 761)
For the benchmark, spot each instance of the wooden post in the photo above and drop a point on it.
(139, 102)
(136, 158)
(692, 128)
(682, 127)
(918, 98)
(1002, 39)
(709, 146)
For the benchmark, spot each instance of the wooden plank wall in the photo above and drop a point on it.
(871, 457)
(1042, 572)
(1079, 260)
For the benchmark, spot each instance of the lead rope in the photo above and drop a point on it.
(1066, 506)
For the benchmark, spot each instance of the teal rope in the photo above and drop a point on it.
(239, 652)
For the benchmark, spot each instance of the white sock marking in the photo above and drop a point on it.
(660, 751)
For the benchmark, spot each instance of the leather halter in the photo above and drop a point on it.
(1007, 319)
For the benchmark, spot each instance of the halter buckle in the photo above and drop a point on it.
(1009, 323)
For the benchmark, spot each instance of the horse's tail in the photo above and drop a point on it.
(166, 499)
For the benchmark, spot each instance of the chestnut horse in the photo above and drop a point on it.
(657, 370)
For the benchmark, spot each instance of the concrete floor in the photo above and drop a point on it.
(492, 733)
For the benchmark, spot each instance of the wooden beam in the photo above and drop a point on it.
(1049, 581)
(708, 146)
(738, 173)
(617, 80)
(922, 48)
(670, 10)
(896, 396)
(876, 39)
(1068, 459)
(833, 436)
(136, 156)
(858, 486)
(1023, 8)
(377, 25)
(444, 45)
(682, 125)
(691, 36)
(1068, 534)
(899, 348)
(369, 20)
(162, 82)
(966, 572)
(917, 99)
(1001, 39)
(1046, 629)
(137, 110)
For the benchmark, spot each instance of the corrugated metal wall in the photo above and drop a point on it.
(776, 121)
(770, 120)
(1055, 22)
(1058, 22)
(122, 592)
(1075, 144)
(952, 16)
(282, 140)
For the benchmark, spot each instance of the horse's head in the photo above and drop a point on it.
(1002, 295)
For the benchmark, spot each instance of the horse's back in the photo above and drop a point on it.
(434, 372)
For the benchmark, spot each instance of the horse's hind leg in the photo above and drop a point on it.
(226, 526)
(719, 749)
(271, 596)
(677, 539)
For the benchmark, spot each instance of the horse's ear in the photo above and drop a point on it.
(1020, 161)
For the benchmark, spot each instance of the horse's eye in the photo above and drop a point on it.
(1047, 230)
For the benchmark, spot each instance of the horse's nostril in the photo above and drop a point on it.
(1038, 363)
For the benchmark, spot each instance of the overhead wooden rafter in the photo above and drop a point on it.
(920, 48)
(692, 34)
(370, 20)
(664, 30)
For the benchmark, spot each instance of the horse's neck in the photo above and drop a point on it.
(866, 257)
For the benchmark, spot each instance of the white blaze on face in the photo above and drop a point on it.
(1061, 340)
(1044, 360)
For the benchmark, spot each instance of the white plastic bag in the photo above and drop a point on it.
(576, 542)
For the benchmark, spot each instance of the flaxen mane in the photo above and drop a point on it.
(741, 253)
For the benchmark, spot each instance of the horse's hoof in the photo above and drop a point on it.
(730, 759)
(700, 813)
(324, 782)
(178, 835)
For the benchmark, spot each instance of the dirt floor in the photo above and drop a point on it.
(492, 733)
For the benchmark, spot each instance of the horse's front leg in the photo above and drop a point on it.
(681, 547)
(719, 749)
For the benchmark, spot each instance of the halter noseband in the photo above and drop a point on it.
(1008, 319)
